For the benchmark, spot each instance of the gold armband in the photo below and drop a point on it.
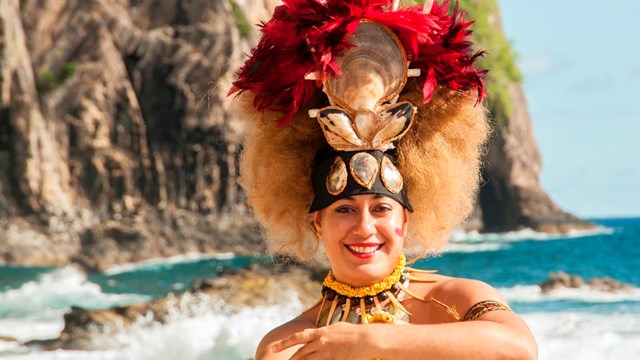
(484, 307)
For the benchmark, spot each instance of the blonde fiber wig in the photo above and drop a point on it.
(439, 159)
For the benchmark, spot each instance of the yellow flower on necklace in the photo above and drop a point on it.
(371, 290)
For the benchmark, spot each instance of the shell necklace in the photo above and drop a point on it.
(350, 304)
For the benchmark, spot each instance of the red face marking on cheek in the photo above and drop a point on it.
(399, 231)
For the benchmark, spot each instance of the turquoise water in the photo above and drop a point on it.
(615, 254)
(12, 277)
(159, 279)
(568, 324)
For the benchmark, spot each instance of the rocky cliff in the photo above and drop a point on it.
(117, 142)
(511, 197)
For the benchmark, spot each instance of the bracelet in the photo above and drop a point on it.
(484, 307)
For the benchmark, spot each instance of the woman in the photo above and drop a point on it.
(389, 165)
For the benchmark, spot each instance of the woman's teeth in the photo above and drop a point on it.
(363, 249)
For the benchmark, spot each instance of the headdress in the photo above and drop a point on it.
(370, 134)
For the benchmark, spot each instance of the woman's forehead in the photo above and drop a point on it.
(363, 198)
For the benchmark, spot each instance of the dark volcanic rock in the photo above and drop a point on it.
(563, 280)
(115, 126)
(511, 197)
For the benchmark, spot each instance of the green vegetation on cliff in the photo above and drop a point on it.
(240, 19)
(49, 81)
(500, 58)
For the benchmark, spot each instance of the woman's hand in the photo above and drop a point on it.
(337, 341)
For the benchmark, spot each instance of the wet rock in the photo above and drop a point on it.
(563, 280)
(261, 284)
(608, 284)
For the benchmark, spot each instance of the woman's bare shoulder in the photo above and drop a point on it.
(461, 294)
(282, 332)
(467, 289)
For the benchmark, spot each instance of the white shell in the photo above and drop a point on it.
(374, 71)
(364, 114)
(337, 177)
(364, 169)
(395, 121)
(338, 129)
(390, 175)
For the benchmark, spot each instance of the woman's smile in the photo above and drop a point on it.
(360, 238)
(363, 250)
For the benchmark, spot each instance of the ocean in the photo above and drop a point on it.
(568, 323)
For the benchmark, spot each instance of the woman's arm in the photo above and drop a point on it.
(494, 335)
(499, 335)
(284, 331)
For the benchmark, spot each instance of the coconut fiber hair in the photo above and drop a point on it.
(439, 159)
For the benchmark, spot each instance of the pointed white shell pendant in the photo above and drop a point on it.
(337, 177)
(366, 124)
(390, 175)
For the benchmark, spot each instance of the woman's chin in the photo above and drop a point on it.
(368, 274)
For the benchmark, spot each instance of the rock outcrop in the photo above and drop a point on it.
(228, 293)
(118, 144)
(511, 197)
(561, 280)
(116, 137)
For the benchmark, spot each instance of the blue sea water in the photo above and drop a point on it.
(568, 324)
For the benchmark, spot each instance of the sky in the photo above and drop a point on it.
(580, 62)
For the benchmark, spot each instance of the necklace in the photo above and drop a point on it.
(351, 303)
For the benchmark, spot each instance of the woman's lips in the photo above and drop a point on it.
(363, 250)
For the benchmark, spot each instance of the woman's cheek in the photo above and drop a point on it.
(399, 231)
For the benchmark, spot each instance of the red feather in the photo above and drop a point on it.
(306, 36)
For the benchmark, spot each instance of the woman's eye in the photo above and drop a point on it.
(344, 210)
(382, 209)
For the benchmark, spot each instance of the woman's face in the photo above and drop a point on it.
(363, 236)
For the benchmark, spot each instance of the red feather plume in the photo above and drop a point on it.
(306, 36)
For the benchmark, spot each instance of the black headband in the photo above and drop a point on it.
(340, 174)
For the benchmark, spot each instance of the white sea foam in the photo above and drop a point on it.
(467, 247)
(533, 293)
(32, 328)
(193, 331)
(23, 353)
(203, 332)
(575, 335)
(464, 242)
(180, 259)
(525, 234)
(35, 310)
(207, 336)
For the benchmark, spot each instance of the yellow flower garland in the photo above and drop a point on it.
(371, 290)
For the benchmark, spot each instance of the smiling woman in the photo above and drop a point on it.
(385, 165)
(362, 236)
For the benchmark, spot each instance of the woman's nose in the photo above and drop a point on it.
(365, 226)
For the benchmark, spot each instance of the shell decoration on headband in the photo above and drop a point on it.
(359, 53)
(302, 45)
(364, 115)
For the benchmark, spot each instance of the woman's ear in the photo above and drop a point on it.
(317, 222)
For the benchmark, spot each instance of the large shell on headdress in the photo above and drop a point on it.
(374, 71)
